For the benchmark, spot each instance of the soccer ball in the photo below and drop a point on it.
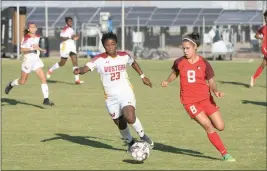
(140, 151)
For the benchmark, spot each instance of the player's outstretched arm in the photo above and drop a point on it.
(213, 88)
(171, 78)
(137, 68)
(81, 70)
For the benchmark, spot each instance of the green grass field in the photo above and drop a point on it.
(78, 133)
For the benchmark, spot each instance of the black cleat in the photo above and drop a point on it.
(129, 146)
(148, 140)
(48, 102)
(8, 88)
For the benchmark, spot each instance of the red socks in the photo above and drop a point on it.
(258, 72)
(217, 142)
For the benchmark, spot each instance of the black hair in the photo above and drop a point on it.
(265, 14)
(67, 19)
(194, 37)
(109, 35)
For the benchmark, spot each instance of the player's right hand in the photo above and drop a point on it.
(164, 83)
(75, 37)
(76, 71)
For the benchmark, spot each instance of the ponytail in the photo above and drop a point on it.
(26, 31)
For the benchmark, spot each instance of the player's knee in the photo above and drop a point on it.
(61, 63)
(131, 117)
(208, 128)
(21, 82)
(220, 127)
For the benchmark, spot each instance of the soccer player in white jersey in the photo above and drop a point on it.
(119, 96)
(67, 49)
(31, 62)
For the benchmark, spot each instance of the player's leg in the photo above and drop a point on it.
(115, 113)
(26, 69)
(74, 60)
(214, 138)
(57, 65)
(41, 75)
(19, 81)
(259, 69)
(197, 113)
(128, 112)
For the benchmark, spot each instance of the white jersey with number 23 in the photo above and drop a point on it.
(113, 73)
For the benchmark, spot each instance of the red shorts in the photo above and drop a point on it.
(264, 51)
(207, 106)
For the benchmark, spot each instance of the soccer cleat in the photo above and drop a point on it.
(48, 102)
(48, 74)
(8, 88)
(228, 158)
(79, 82)
(148, 140)
(129, 146)
(252, 82)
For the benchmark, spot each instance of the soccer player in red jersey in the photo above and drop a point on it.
(196, 83)
(262, 35)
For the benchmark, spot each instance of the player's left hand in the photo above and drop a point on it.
(219, 94)
(147, 82)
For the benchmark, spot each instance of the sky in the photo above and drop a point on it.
(161, 4)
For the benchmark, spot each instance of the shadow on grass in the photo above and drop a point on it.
(82, 140)
(254, 102)
(62, 82)
(7, 101)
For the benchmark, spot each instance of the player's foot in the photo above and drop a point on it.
(8, 88)
(228, 158)
(48, 102)
(148, 140)
(48, 74)
(252, 82)
(129, 146)
(79, 82)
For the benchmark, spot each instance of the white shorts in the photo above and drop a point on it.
(31, 65)
(115, 106)
(66, 48)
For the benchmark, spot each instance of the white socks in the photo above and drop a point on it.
(45, 90)
(15, 82)
(138, 127)
(77, 77)
(54, 67)
(126, 135)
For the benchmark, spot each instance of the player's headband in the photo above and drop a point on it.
(190, 41)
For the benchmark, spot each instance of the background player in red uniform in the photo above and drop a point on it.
(195, 94)
(262, 35)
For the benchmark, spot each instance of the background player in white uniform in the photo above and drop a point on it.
(67, 49)
(120, 99)
(31, 62)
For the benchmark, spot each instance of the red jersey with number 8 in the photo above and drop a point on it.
(193, 77)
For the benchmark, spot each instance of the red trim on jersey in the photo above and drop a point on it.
(101, 55)
(26, 37)
(65, 28)
(122, 53)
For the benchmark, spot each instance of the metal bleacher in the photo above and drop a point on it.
(148, 16)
